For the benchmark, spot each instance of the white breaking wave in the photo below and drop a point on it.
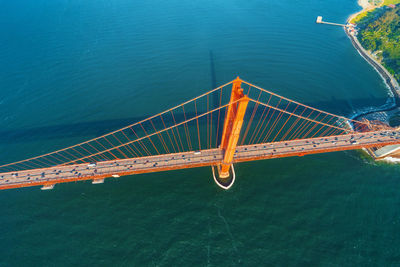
(390, 103)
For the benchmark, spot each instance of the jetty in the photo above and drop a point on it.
(320, 21)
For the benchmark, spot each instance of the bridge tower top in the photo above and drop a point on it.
(236, 94)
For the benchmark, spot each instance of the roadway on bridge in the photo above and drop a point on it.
(101, 170)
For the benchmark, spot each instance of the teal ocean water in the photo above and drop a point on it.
(72, 70)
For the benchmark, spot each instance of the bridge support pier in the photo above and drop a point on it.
(231, 132)
(98, 181)
(47, 187)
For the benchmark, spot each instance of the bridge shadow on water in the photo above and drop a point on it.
(100, 127)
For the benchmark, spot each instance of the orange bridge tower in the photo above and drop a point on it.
(232, 126)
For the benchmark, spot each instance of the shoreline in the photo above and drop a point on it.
(387, 77)
(365, 5)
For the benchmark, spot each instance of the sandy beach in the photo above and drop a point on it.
(366, 6)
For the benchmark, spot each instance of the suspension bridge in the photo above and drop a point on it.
(233, 123)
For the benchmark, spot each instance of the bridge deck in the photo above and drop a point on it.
(70, 173)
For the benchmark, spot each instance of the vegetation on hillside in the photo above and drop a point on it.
(380, 33)
(368, 16)
(375, 4)
(391, 2)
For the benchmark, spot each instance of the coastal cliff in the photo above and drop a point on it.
(365, 30)
(359, 40)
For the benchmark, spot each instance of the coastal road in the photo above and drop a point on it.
(105, 169)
